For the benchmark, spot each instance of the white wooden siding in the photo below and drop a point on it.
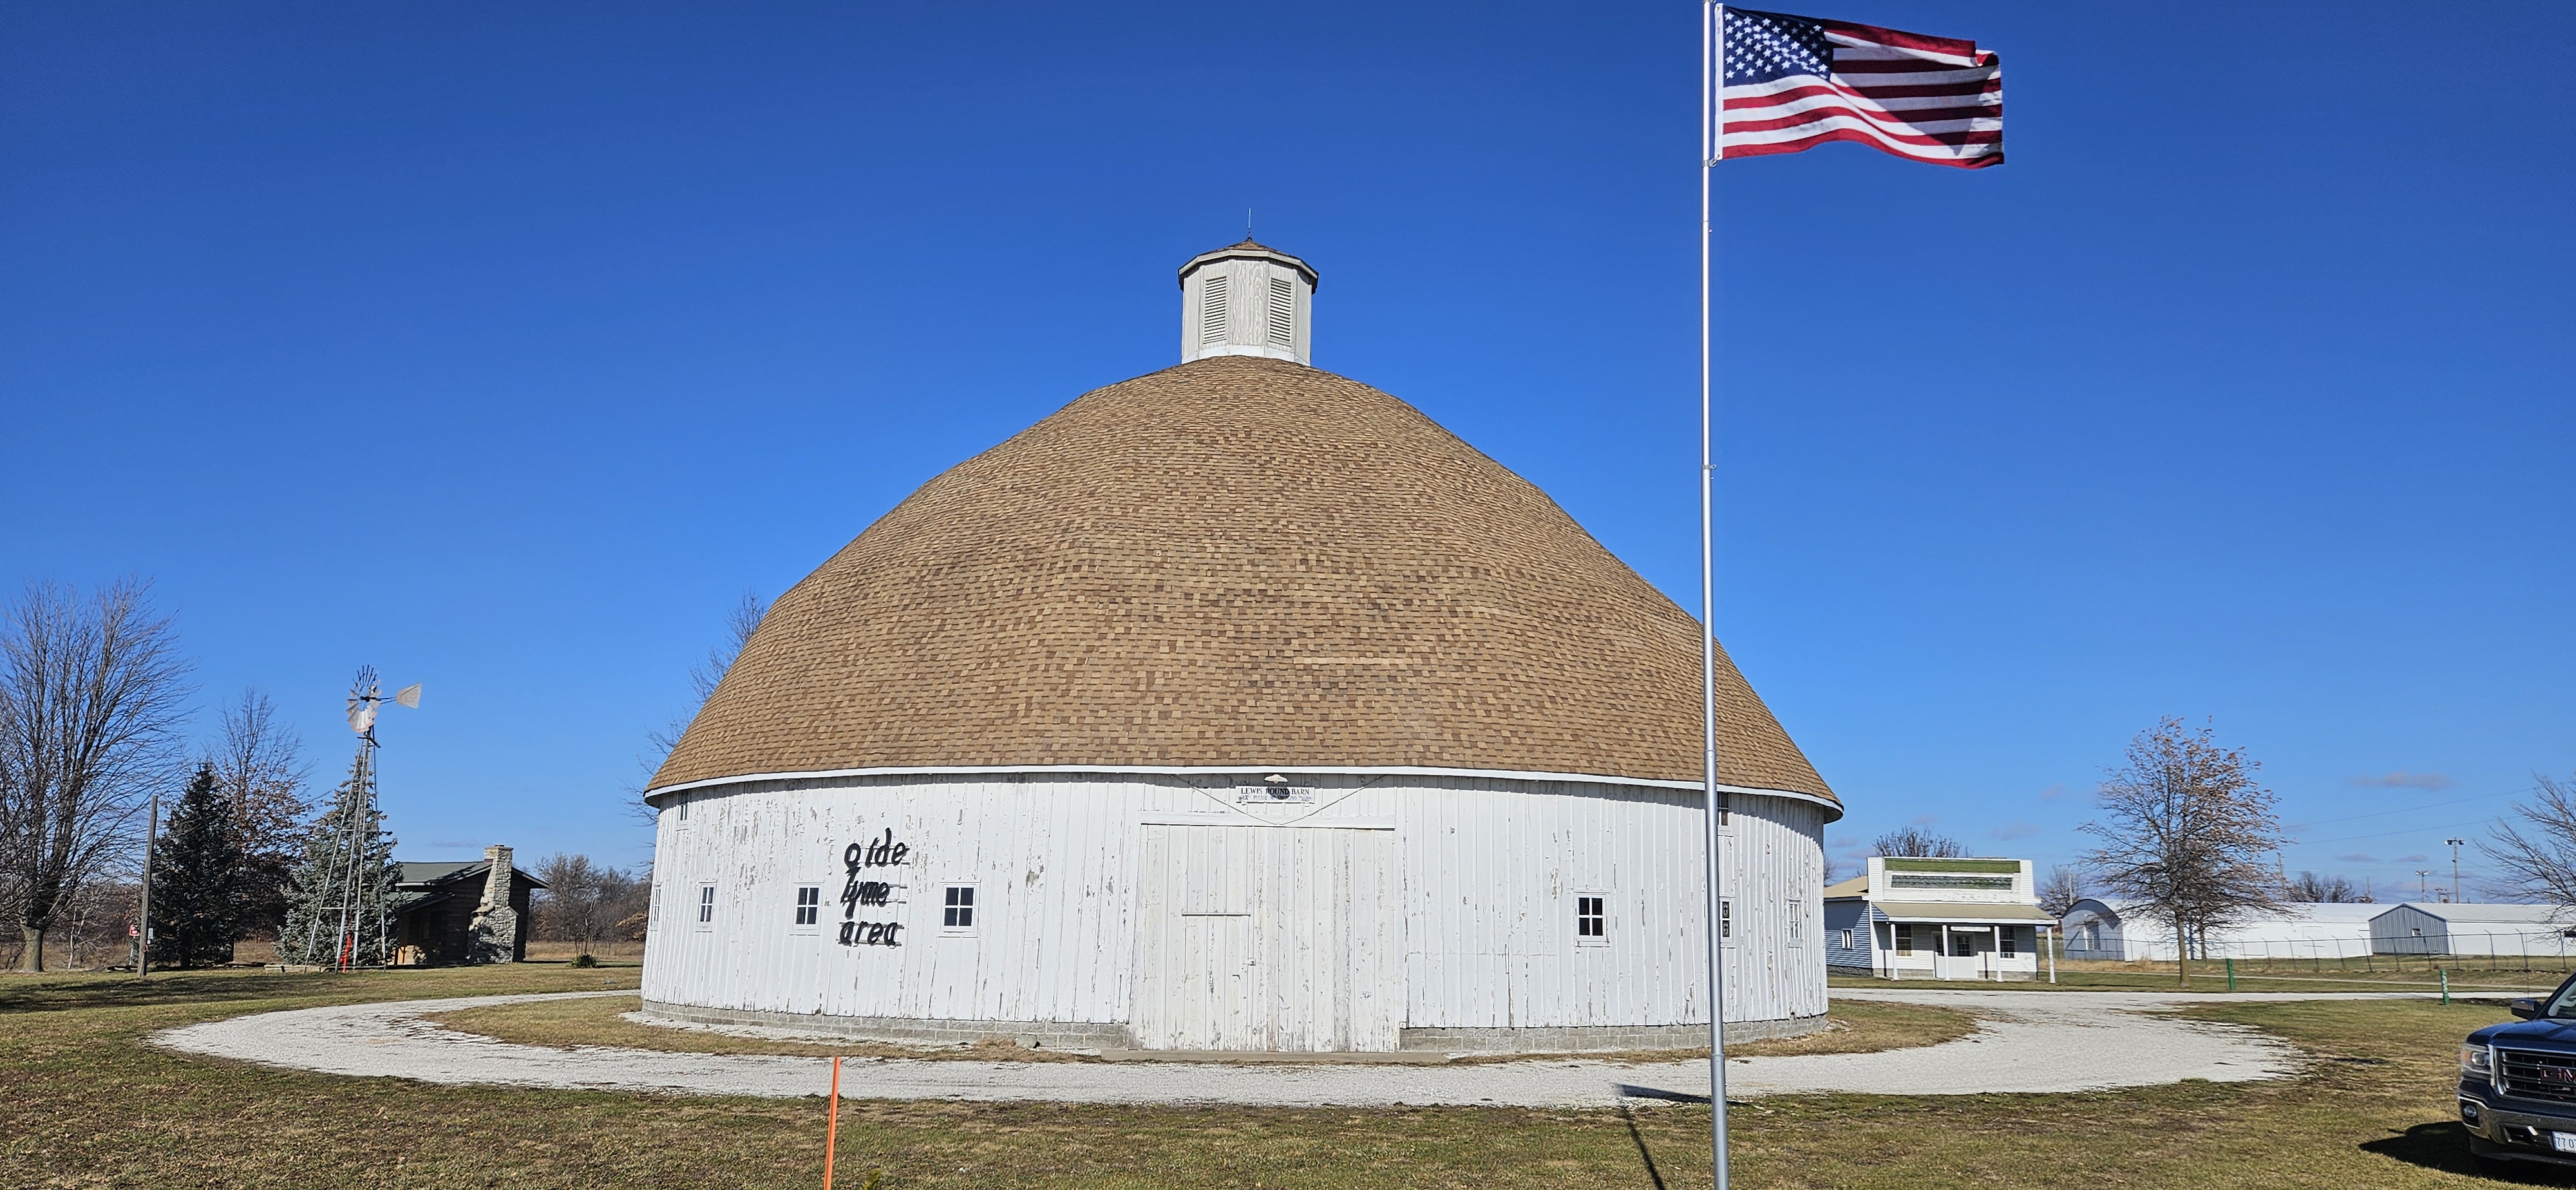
(1479, 876)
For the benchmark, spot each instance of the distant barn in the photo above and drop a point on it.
(2119, 931)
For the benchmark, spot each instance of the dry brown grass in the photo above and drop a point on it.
(605, 952)
(601, 1020)
(90, 1105)
(1855, 1027)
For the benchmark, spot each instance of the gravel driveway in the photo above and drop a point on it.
(2027, 1041)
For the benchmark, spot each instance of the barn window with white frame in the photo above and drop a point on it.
(706, 906)
(957, 909)
(1591, 919)
(1726, 921)
(1797, 923)
(809, 905)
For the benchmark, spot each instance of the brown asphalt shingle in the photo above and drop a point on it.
(1233, 562)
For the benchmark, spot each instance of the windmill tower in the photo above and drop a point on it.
(346, 911)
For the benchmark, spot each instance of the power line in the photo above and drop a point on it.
(2412, 830)
(2413, 809)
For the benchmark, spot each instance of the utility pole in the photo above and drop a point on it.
(143, 928)
(2455, 868)
(2421, 892)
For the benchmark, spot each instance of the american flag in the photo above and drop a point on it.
(1792, 83)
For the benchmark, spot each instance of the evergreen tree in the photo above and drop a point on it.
(198, 878)
(348, 836)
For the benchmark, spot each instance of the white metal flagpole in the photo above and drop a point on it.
(1712, 132)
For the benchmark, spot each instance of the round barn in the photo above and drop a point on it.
(1237, 706)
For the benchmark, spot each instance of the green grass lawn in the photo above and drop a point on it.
(89, 1105)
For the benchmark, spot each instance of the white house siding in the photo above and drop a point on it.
(1477, 933)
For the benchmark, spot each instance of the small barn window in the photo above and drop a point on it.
(1848, 939)
(684, 811)
(1797, 923)
(1283, 312)
(1212, 311)
(1591, 920)
(1726, 920)
(706, 906)
(957, 909)
(809, 904)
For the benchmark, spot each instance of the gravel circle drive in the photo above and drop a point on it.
(2025, 1042)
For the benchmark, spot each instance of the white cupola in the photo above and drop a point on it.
(1247, 300)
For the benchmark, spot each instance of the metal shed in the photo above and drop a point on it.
(2434, 928)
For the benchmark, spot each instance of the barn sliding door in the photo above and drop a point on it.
(1267, 938)
(1194, 956)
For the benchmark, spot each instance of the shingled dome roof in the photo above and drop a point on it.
(1239, 563)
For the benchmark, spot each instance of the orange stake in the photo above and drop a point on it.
(832, 1130)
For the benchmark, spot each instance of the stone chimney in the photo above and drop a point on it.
(496, 921)
(1247, 300)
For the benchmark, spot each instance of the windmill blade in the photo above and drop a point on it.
(409, 696)
(362, 714)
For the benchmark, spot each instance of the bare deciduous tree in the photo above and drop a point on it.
(1916, 842)
(2059, 891)
(586, 901)
(92, 693)
(260, 763)
(2327, 890)
(2535, 848)
(260, 767)
(740, 623)
(568, 907)
(2185, 833)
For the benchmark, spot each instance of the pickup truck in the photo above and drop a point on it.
(2518, 1082)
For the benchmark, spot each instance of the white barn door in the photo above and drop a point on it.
(1267, 938)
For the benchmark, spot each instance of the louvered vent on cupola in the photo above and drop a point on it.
(1283, 312)
(1212, 312)
(1278, 294)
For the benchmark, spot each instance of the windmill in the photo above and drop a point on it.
(347, 861)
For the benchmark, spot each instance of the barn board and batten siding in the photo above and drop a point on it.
(1156, 911)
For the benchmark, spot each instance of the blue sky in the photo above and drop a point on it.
(503, 347)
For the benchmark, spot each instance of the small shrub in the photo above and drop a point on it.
(583, 960)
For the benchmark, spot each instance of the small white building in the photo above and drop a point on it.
(1912, 918)
(2121, 932)
(2417, 927)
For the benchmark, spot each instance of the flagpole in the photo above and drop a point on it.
(1712, 126)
